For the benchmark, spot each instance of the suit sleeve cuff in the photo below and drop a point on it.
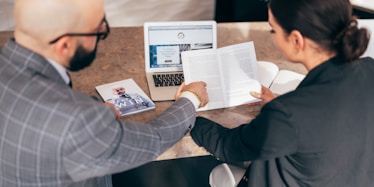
(192, 97)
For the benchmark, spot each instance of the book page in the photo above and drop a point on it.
(286, 81)
(202, 65)
(240, 73)
(267, 72)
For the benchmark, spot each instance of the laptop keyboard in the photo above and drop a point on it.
(162, 80)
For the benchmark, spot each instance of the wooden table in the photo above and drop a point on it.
(121, 56)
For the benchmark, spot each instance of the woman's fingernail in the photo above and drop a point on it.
(253, 93)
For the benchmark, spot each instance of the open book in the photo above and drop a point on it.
(126, 96)
(279, 81)
(232, 72)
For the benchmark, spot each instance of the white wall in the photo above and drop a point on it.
(135, 12)
(6, 15)
(368, 24)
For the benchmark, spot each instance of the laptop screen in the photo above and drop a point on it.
(166, 42)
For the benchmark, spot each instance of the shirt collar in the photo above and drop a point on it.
(60, 69)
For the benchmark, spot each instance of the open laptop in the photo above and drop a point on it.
(163, 43)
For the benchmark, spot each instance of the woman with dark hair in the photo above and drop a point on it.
(321, 134)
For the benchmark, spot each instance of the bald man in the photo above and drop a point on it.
(52, 135)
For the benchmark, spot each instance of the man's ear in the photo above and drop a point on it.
(64, 50)
(297, 40)
(63, 47)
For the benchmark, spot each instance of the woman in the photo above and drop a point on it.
(321, 134)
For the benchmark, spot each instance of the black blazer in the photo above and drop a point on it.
(321, 134)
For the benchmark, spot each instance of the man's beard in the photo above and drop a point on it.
(82, 58)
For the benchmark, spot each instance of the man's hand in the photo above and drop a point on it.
(266, 95)
(111, 105)
(197, 88)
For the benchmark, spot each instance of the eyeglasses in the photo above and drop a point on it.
(99, 35)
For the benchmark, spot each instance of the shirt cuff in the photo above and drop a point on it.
(192, 97)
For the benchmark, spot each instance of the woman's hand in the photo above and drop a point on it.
(266, 95)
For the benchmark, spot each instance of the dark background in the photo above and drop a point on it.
(254, 10)
(182, 172)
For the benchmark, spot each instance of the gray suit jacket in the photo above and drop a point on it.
(51, 135)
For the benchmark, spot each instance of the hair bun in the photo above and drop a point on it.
(352, 41)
